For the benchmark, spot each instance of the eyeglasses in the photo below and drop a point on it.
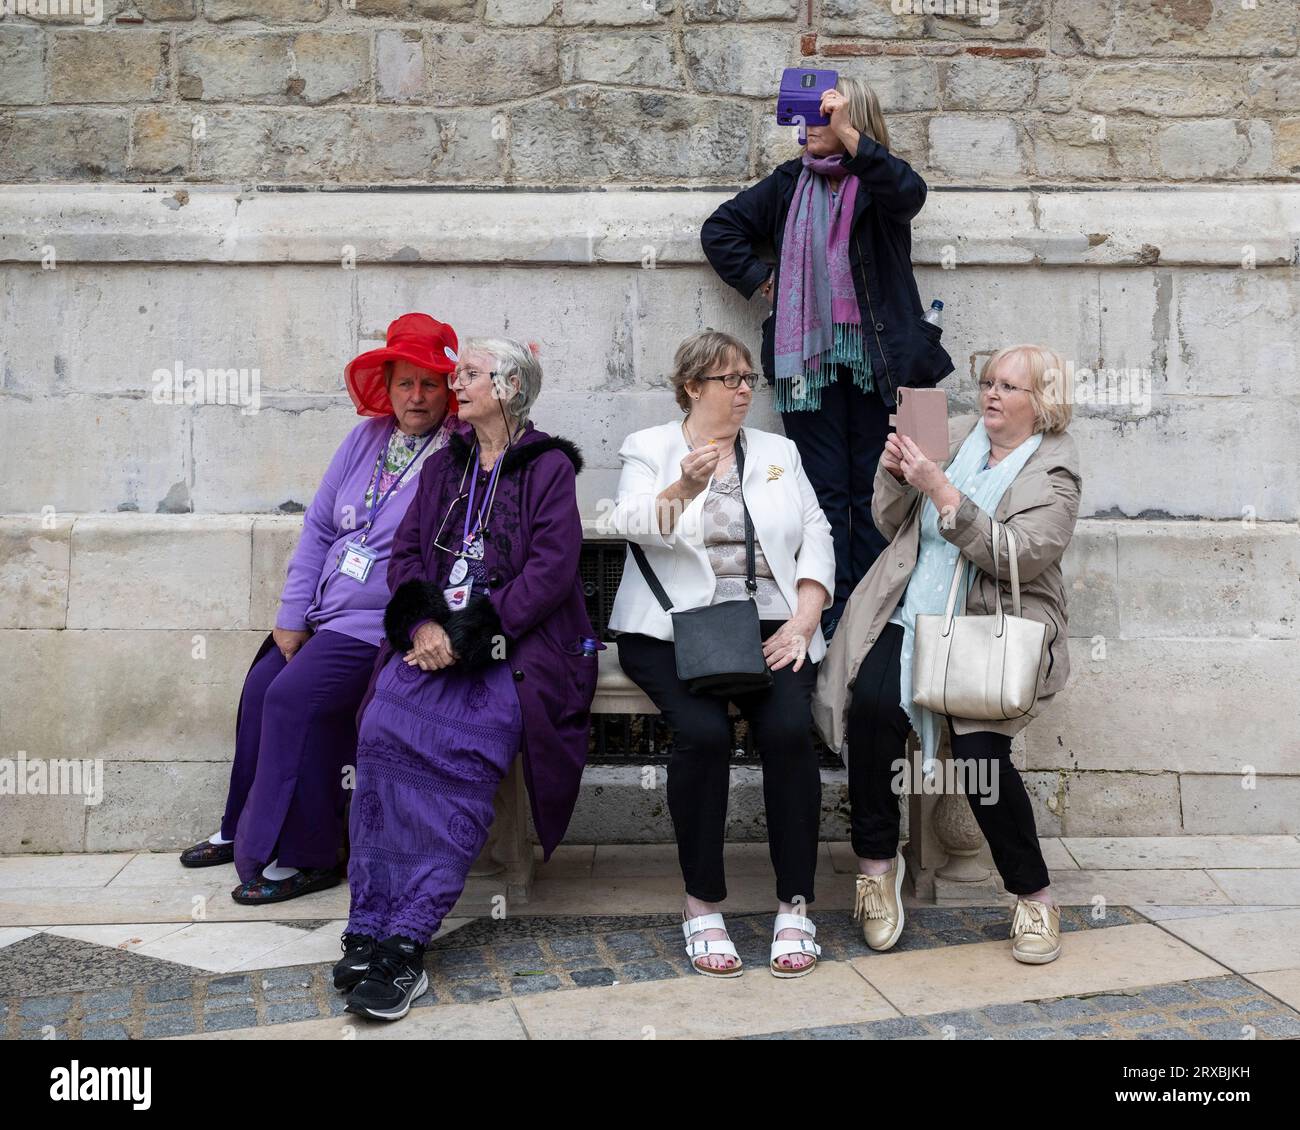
(470, 375)
(1003, 388)
(732, 380)
(457, 549)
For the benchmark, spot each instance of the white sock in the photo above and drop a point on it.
(216, 839)
(275, 874)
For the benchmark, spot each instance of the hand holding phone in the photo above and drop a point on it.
(892, 457)
(798, 103)
(923, 417)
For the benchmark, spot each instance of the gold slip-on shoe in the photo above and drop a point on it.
(879, 904)
(1035, 932)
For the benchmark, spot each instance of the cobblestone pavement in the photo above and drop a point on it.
(57, 988)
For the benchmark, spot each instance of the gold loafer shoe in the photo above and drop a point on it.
(878, 902)
(1035, 932)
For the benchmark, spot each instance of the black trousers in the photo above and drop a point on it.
(840, 446)
(699, 768)
(877, 733)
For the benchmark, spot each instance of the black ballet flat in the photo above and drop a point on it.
(207, 854)
(262, 890)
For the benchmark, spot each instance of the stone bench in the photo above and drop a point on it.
(505, 866)
(947, 859)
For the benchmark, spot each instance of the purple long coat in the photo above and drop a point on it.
(534, 600)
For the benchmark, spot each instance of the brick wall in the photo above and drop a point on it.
(633, 92)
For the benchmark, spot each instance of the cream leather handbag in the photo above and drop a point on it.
(983, 667)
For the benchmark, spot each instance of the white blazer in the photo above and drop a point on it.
(788, 523)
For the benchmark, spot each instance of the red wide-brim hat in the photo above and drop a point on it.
(417, 338)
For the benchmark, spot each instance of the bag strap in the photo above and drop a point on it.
(950, 610)
(751, 583)
(650, 578)
(1013, 566)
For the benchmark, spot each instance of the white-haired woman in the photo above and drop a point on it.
(846, 331)
(1015, 463)
(488, 649)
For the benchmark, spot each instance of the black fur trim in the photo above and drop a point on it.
(412, 602)
(474, 632)
(459, 447)
(522, 452)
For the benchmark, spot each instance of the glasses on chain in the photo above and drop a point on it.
(470, 376)
(458, 550)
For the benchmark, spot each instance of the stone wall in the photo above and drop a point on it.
(126, 637)
(142, 542)
(638, 92)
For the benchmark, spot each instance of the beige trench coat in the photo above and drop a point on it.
(1039, 507)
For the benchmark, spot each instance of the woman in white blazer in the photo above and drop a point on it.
(679, 498)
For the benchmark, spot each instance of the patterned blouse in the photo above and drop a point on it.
(724, 541)
(401, 450)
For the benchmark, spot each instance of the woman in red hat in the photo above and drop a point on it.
(295, 736)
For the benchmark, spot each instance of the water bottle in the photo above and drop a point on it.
(589, 648)
(934, 315)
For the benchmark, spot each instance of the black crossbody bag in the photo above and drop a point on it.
(719, 648)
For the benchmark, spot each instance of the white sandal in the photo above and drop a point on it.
(706, 948)
(781, 947)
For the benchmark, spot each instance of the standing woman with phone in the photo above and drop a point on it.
(846, 329)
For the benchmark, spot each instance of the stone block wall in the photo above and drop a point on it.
(143, 542)
(125, 639)
(638, 92)
(257, 187)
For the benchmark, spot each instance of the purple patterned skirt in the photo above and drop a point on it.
(433, 746)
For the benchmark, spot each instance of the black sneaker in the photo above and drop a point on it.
(358, 949)
(396, 978)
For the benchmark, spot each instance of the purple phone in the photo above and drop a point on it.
(801, 96)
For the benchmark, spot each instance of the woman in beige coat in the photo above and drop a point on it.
(1016, 463)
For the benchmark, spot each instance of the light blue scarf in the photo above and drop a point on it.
(927, 590)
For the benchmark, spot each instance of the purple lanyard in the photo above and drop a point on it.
(467, 538)
(373, 512)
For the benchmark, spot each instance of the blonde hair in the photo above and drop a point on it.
(697, 355)
(1048, 391)
(864, 109)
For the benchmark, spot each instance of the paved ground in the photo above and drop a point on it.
(1156, 947)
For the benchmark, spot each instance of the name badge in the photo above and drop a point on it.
(457, 596)
(357, 560)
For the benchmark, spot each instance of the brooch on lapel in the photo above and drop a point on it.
(774, 472)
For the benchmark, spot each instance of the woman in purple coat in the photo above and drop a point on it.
(488, 648)
(296, 728)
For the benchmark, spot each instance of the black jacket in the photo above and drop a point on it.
(904, 350)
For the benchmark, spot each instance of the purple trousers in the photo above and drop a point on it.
(433, 747)
(296, 731)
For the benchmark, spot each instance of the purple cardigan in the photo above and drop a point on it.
(315, 594)
(534, 602)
